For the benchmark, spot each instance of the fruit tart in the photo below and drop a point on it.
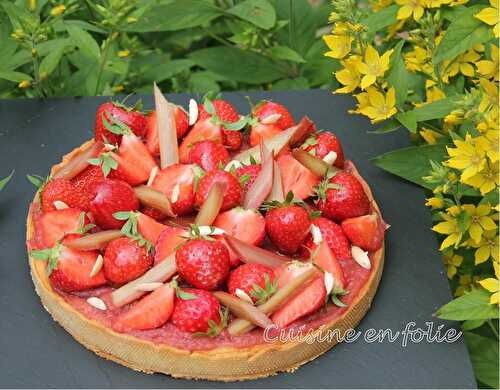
(192, 243)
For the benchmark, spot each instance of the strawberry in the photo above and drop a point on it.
(54, 225)
(246, 225)
(322, 144)
(232, 193)
(169, 239)
(255, 280)
(198, 311)
(125, 260)
(150, 312)
(262, 132)
(327, 261)
(267, 108)
(153, 213)
(181, 125)
(130, 116)
(148, 228)
(296, 177)
(366, 231)
(341, 196)
(202, 130)
(85, 183)
(247, 175)
(333, 235)
(61, 190)
(287, 224)
(203, 263)
(208, 155)
(177, 183)
(112, 196)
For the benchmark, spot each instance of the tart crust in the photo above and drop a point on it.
(222, 364)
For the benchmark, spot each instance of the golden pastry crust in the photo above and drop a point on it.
(223, 364)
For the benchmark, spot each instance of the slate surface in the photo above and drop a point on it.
(36, 352)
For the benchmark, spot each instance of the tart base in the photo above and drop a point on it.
(220, 364)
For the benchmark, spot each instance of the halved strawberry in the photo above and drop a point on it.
(54, 225)
(324, 144)
(296, 177)
(327, 261)
(366, 231)
(232, 193)
(149, 228)
(274, 113)
(209, 155)
(169, 239)
(262, 132)
(246, 225)
(333, 235)
(247, 175)
(181, 125)
(203, 130)
(85, 183)
(150, 312)
(130, 116)
(177, 183)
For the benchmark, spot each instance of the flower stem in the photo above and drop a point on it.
(104, 58)
(493, 329)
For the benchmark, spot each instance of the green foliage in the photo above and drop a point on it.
(121, 46)
(474, 305)
(5, 180)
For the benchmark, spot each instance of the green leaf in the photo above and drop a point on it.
(36, 180)
(50, 62)
(377, 21)
(5, 180)
(236, 64)
(84, 41)
(435, 110)
(291, 84)
(472, 324)
(20, 17)
(204, 81)
(387, 127)
(462, 34)
(258, 12)
(411, 163)
(285, 53)
(167, 70)
(408, 119)
(174, 16)
(398, 75)
(15, 77)
(474, 305)
(484, 356)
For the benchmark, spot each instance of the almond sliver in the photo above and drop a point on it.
(152, 176)
(361, 257)
(97, 266)
(329, 282)
(193, 112)
(98, 303)
(60, 205)
(330, 158)
(243, 295)
(270, 119)
(316, 234)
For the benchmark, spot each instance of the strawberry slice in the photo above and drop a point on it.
(152, 140)
(262, 132)
(150, 312)
(201, 131)
(248, 226)
(366, 231)
(327, 261)
(296, 177)
(177, 183)
(54, 225)
(149, 228)
(170, 238)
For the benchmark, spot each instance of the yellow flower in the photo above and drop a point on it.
(430, 136)
(123, 53)
(449, 227)
(377, 5)
(490, 95)
(479, 220)
(452, 262)
(489, 143)
(432, 91)
(487, 247)
(58, 10)
(349, 77)
(435, 203)
(419, 60)
(24, 84)
(374, 66)
(118, 88)
(409, 7)
(339, 45)
(486, 180)
(492, 285)
(467, 157)
(379, 107)
(487, 68)
(489, 15)
(462, 64)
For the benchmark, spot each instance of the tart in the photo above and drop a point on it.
(175, 242)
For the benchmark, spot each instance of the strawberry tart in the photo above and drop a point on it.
(184, 241)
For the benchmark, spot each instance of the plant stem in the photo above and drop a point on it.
(291, 26)
(493, 329)
(104, 58)
(36, 69)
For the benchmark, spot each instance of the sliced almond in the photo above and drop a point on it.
(98, 303)
(148, 286)
(108, 147)
(193, 112)
(60, 205)
(243, 295)
(175, 193)
(330, 157)
(97, 266)
(329, 282)
(316, 234)
(210, 231)
(270, 119)
(361, 257)
(152, 176)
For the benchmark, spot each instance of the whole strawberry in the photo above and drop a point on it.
(232, 193)
(341, 196)
(222, 111)
(334, 237)
(61, 190)
(125, 260)
(197, 311)
(85, 183)
(254, 280)
(203, 263)
(325, 145)
(247, 175)
(111, 196)
(130, 116)
(287, 224)
(209, 155)
(281, 117)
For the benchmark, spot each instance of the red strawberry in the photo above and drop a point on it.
(202, 263)
(197, 311)
(226, 112)
(296, 177)
(255, 280)
(202, 130)
(323, 143)
(112, 196)
(177, 183)
(232, 193)
(149, 228)
(153, 213)
(366, 231)
(208, 155)
(326, 260)
(342, 196)
(267, 108)
(85, 183)
(129, 116)
(54, 225)
(333, 235)
(125, 260)
(287, 225)
(168, 241)
(61, 190)
(246, 225)
(150, 312)
(247, 175)
(262, 132)
(181, 125)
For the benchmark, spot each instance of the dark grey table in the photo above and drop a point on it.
(36, 352)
